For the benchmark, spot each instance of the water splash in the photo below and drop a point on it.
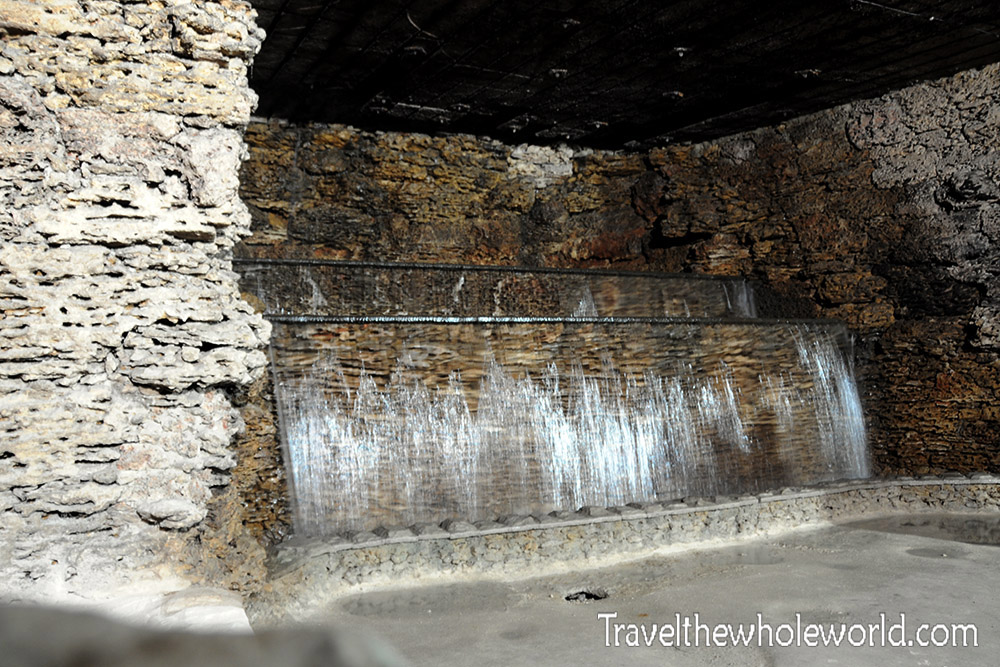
(586, 306)
(740, 298)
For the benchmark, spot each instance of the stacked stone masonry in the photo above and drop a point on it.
(884, 213)
(124, 338)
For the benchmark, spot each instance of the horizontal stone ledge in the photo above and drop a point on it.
(306, 574)
(456, 530)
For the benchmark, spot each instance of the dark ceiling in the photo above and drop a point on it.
(606, 73)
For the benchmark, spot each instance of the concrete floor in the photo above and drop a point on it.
(935, 569)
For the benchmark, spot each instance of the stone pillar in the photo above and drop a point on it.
(123, 334)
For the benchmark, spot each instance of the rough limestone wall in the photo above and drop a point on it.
(123, 333)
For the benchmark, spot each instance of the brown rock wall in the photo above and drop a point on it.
(882, 213)
(334, 192)
(259, 479)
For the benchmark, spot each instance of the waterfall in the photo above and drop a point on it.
(424, 414)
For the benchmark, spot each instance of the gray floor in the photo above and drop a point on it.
(934, 569)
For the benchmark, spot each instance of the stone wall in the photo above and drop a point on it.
(883, 213)
(334, 192)
(124, 336)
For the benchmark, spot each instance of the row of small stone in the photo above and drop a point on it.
(452, 528)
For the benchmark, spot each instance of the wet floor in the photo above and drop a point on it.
(903, 581)
(968, 528)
